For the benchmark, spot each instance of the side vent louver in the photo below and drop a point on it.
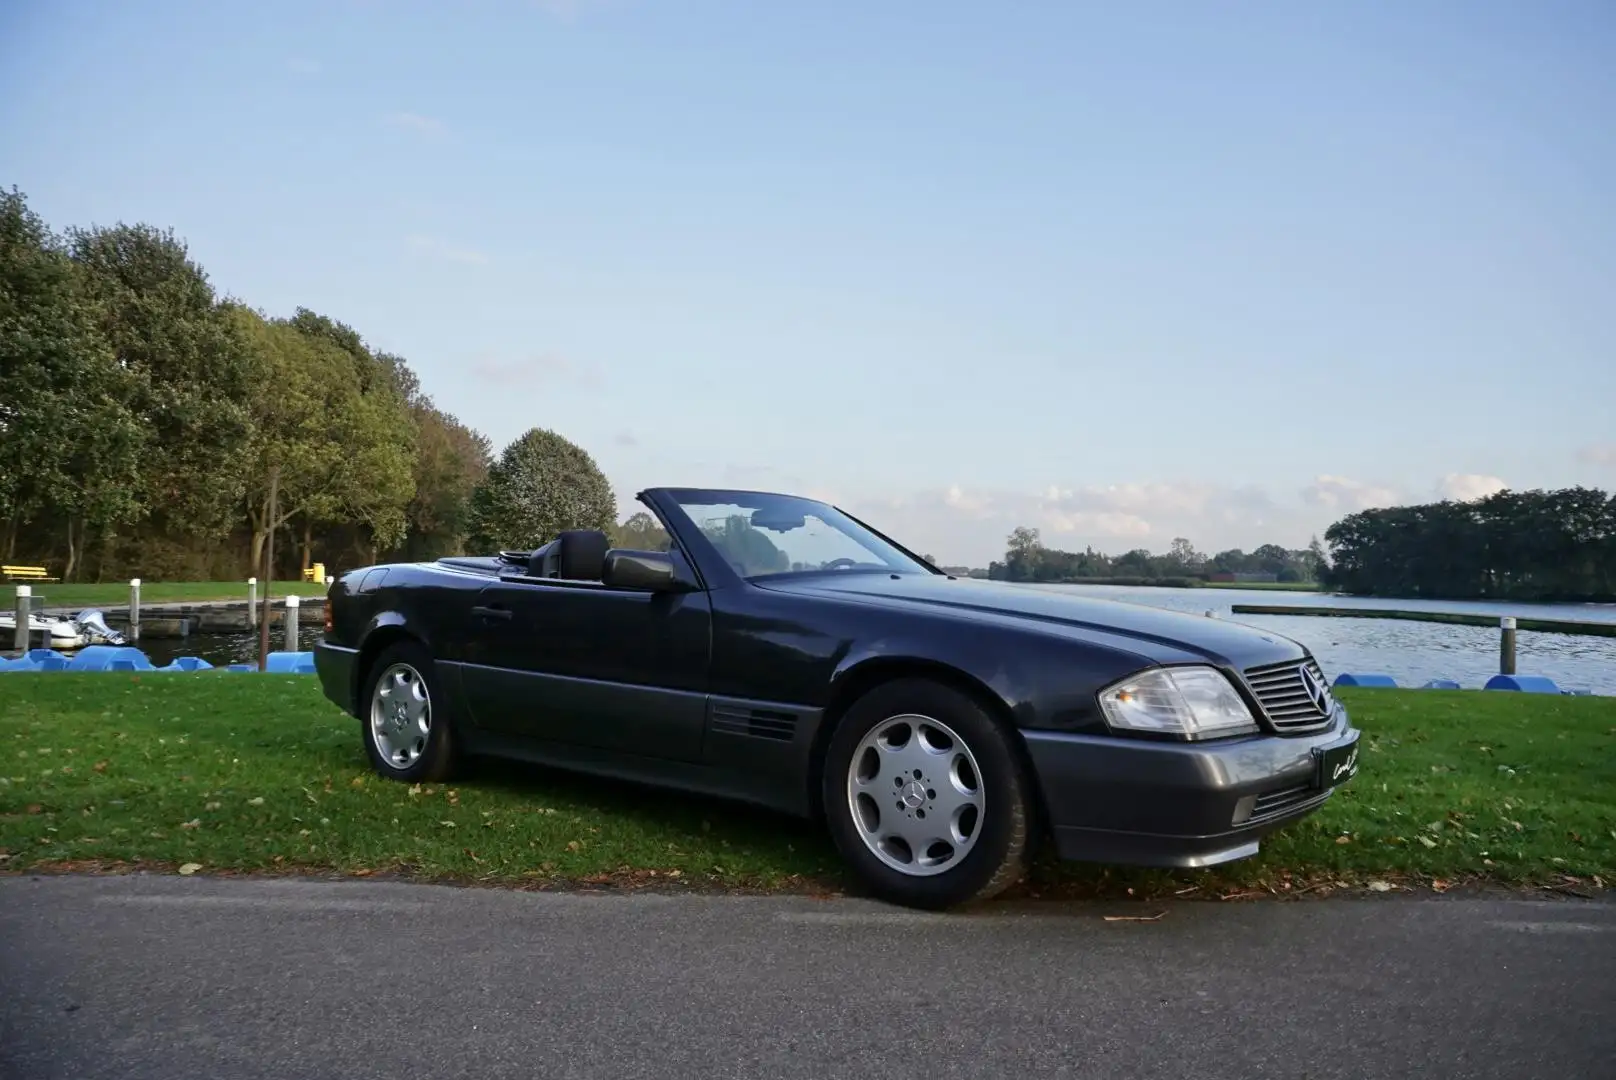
(755, 723)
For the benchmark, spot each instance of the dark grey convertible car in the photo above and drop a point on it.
(778, 651)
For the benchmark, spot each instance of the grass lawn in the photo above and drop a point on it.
(242, 773)
(116, 593)
(1266, 586)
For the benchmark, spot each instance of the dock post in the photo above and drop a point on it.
(291, 623)
(1506, 645)
(134, 609)
(25, 609)
(252, 601)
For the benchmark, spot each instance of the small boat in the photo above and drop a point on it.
(88, 627)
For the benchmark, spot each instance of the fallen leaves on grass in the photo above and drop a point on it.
(190, 868)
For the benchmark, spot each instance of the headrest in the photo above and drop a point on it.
(581, 554)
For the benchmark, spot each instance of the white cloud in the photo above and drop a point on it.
(439, 249)
(547, 369)
(1347, 495)
(1598, 454)
(967, 525)
(1465, 487)
(424, 125)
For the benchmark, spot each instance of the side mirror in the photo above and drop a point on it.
(647, 571)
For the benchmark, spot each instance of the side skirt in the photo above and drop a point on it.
(736, 785)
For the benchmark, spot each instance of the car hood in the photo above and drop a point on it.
(1164, 636)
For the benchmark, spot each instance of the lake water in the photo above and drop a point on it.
(1410, 652)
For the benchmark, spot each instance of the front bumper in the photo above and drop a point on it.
(334, 664)
(1122, 800)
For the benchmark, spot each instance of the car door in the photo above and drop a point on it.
(584, 664)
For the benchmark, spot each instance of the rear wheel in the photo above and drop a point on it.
(926, 797)
(406, 724)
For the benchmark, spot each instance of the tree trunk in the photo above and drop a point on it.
(308, 543)
(12, 527)
(73, 541)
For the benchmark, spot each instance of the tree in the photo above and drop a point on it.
(641, 532)
(1183, 559)
(1515, 545)
(338, 451)
(189, 373)
(539, 486)
(451, 459)
(69, 442)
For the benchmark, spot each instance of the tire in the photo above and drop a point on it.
(958, 741)
(392, 754)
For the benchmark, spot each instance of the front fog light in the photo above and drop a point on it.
(1178, 701)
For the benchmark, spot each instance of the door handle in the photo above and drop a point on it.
(502, 614)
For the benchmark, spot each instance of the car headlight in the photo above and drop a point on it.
(1191, 701)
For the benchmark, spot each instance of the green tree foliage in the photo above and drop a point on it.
(69, 439)
(539, 486)
(451, 459)
(189, 372)
(641, 532)
(141, 416)
(1027, 559)
(1514, 545)
(340, 453)
(748, 548)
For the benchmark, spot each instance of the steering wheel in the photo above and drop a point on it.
(837, 564)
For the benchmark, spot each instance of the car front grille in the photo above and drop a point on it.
(1283, 692)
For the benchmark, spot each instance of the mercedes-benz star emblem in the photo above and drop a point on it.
(1317, 692)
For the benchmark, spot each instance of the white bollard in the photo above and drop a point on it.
(134, 609)
(291, 623)
(25, 609)
(252, 601)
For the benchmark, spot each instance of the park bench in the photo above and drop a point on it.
(25, 573)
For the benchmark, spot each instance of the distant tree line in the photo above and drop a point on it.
(1515, 545)
(143, 419)
(1027, 559)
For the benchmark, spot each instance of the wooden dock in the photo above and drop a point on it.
(181, 620)
(1454, 618)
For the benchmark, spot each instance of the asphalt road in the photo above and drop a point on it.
(135, 977)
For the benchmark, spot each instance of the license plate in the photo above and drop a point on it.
(1337, 763)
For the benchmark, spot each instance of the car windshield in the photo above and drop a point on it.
(763, 535)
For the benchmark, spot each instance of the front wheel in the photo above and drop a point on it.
(407, 729)
(926, 797)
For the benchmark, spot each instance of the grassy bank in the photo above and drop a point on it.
(259, 773)
(1126, 582)
(116, 594)
(1266, 586)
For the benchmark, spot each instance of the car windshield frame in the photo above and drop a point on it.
(895, 559)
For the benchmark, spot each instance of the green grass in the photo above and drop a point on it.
(116, 594)
(251, 773)
(1266, 586)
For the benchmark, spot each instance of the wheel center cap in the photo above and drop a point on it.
(914, 794)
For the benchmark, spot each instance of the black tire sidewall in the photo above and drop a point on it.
(1003, 828)
(433, 764)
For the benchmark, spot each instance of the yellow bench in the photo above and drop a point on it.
(25, 573)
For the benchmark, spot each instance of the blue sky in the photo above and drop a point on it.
(1119, 272)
